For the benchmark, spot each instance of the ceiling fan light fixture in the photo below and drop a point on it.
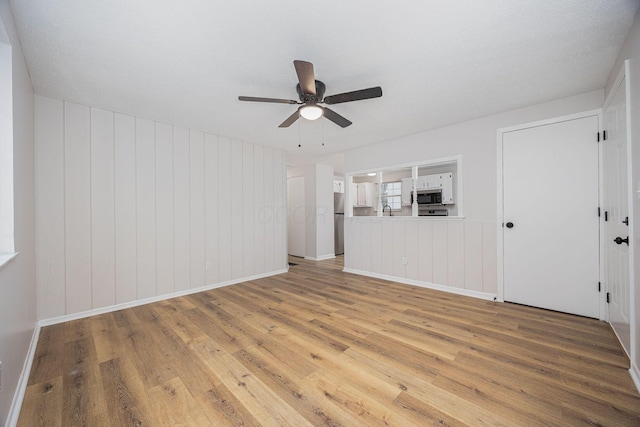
(311, 112)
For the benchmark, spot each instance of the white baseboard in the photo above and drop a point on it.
(635, 375)
(321, 257)
(21, 388)
(428, 285)
(111, 308)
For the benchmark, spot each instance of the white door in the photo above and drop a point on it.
(550, 200)
(616, 213)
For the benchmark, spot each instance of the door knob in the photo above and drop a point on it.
(509, 225)
(620, 240)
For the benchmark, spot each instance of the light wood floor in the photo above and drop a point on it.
(320, 347)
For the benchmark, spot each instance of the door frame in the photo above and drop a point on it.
(500, 206)
(625, 74)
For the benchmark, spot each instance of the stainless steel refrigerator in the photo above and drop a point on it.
(338, 222)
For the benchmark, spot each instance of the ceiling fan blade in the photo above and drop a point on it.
(335, 117)
(257, 99)
(306, 77)
(357, 95)
(290, 120)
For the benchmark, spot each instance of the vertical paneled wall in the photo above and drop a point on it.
(456, 253)
(129, 209)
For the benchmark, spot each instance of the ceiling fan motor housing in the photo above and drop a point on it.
(308, 97)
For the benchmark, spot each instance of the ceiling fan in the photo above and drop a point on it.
(311, 93)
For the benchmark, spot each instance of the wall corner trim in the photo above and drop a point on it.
(18, 397)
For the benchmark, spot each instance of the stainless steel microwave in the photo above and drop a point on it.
(429, 197)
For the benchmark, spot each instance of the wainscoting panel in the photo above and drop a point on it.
(146, 208)
(425, 248)
(258, 198)
(77, 206)
(181, 210)
(49, 158)
(212, 217)
(224, 208)
(196, 208)
(103, 261)
(125, 209)
(279, 220)
(473, 258)
(440, 251)
(450, 253)
(130, 209)
(266, 216)
(412, 250)
(164, 209)
(248, 232)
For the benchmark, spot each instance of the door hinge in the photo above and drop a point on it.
(599, 287)
(608, 298)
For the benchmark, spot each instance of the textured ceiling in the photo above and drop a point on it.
(438, 62)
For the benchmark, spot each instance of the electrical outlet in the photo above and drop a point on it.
(404, 260)
(207, 266)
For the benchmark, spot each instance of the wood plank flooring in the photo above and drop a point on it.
(320, 347)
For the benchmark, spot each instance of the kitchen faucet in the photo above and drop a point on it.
(387, 206)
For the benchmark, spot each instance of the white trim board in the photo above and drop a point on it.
(18, 397)
(635, 375)
(427, 285)
(321, 257)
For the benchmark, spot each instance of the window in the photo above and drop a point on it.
(6, 151)
(392, 195)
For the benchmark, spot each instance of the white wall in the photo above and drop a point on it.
(297, 216)
(130, 209)
(324, 212)
(463, 250)
(17, 278)
(631, 51)
(318, 193)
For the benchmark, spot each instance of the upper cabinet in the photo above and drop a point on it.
(366, 194)
(338, 186)
(363, 194)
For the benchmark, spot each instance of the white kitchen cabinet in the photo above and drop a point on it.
(338, 186)
(447, 188)
(365, 194)
(407, 184)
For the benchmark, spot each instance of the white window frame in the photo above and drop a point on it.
(7, 243)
